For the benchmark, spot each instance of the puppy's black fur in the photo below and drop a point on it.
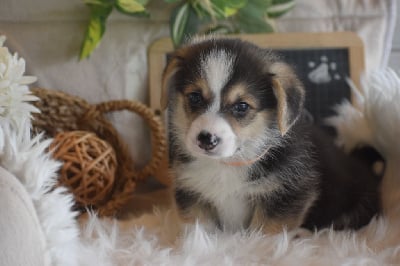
(349, 188)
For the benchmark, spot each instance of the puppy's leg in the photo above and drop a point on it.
(191, 209)
(274, 225)
(275, 214)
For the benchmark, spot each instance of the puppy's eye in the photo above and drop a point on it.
(195, 98)
(240, 109)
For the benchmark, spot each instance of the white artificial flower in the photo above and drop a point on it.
(14, 92)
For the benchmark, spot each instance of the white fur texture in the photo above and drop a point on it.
(217, 69)
(27, 160)
(152, 240)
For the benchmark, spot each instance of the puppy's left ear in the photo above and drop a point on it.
(173, 65)
(289, 93)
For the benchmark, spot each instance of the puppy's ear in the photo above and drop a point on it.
(170, 70)
(289, 93)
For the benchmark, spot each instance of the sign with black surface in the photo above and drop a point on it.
(323, 73)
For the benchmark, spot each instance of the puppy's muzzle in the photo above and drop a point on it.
(207, 141)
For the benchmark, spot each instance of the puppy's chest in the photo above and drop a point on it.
(226, 188)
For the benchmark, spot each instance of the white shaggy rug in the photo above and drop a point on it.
(27, 160)
(157, 238)
(114, 243)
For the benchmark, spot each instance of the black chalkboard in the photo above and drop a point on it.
(323, 73)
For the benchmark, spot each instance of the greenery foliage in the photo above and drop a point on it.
(190, 17)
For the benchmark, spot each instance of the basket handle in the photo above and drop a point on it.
(158, 140)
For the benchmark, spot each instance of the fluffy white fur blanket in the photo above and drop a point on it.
(158, 239)
(27, 160)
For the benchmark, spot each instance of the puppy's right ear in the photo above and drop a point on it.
(170, 70)
(289, 93)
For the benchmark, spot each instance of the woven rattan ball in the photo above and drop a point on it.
(89, 165)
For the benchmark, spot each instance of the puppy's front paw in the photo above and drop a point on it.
(299, 232)
(199, 225)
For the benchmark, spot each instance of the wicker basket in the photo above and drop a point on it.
(64, 112)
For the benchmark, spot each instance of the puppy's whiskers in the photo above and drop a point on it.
(254, 150)
(246, 162)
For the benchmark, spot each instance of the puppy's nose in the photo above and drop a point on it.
(207, 141)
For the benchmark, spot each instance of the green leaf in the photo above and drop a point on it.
(217, 9)
(252, 18)
(171, 1)
(280, 2)
(132, 7)
(279, 7)
(200, 11)
(225, 9)
(254, 26)
(193, 24)
(98, 2)
(220, 29)
(178, 23)
(95, 29)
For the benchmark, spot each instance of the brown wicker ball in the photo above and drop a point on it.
(89, 165)
(61, 112)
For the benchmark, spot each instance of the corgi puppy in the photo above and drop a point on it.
(242, 155)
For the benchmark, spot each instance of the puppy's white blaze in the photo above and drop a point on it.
(215, 125)
(217, 68)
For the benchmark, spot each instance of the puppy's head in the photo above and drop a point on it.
(229, 98)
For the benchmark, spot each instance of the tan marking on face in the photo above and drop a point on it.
(255, 121)
(181, 119)
(238, 93)
(199, 85)
(253, 128)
